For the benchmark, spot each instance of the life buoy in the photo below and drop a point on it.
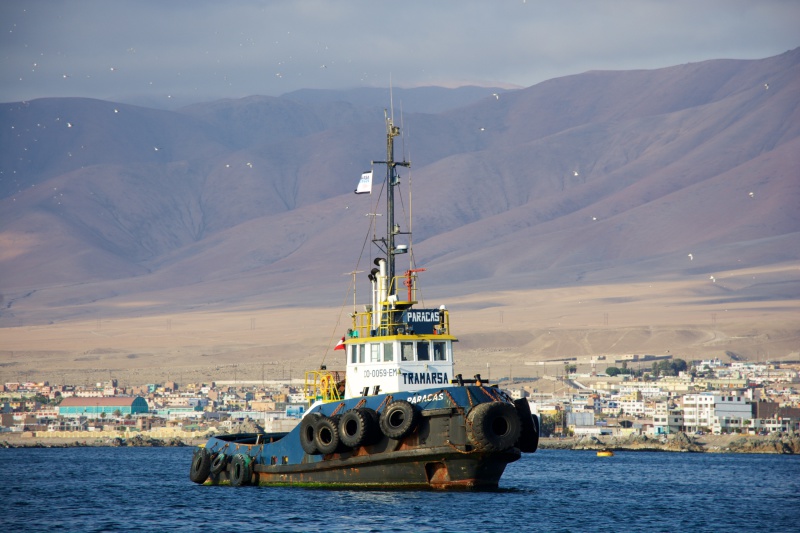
(325, 383)
(326, 435)
(241, 470)
(308, 427)
(398, 419)
(529, 430)
(201, 466)
(493, 426)
(218, 463)
(355, 428)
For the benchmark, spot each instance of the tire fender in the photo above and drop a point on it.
(308, 427)
(355, 427)
(326, 435)
(399, 419)
(493, 426)
(201, 466)
(218, 463)
(528, 440)
(241, 470)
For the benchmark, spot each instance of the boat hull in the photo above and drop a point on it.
(437, 468)
(440, 453)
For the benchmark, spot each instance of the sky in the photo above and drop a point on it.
(172, 52)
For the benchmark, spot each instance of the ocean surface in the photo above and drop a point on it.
(148, 489)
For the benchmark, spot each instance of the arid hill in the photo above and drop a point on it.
(680, 177)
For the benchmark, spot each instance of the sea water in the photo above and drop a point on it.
(148, 489)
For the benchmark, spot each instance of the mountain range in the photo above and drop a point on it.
(601, 177)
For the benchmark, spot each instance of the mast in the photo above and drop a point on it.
(391, 179)
(392, 229)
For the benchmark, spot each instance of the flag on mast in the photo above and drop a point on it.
(365, 185)
(340, 345)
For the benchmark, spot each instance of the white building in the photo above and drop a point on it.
(647, 390)
(731, 412)
(698, 411)
(711, 363)
(632, 407)
(296, 397)
(716, 412)
(666, 420)
(771, 424)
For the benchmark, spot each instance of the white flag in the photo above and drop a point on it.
(365, 185)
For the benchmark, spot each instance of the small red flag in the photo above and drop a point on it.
(340, 345)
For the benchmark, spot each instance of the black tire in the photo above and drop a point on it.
(218, 463)
(399, 419)
(529, 427)
(493, 426)
(341, 447)
(241, 470)
(308, 427)
(326, 435)
(201, 466)
(355, 427)
(375, 426)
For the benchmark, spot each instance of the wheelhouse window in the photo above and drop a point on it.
(439, 351)
(423, 351)
(374, 353)
(406, 351)
(353, 349)
(388, 352)
(361, 353)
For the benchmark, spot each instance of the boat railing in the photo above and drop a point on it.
(387, 318)
(323, 385)
(363, 325)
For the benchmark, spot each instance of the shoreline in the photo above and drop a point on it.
(19, 441)
(785, 444)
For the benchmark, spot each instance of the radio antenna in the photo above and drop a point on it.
(391, 97)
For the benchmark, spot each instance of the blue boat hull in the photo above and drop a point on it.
(452, 444)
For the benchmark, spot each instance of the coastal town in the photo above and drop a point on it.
(635, 396)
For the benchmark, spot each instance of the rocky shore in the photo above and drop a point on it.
(115, 442)
(32, 440)
(785, 443)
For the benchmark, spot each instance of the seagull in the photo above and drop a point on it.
(713, 279)
(496, 96)
(691, 257)
(766, 86)
(575, 172)
(752, 194)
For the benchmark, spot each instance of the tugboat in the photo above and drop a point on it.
(398, 417)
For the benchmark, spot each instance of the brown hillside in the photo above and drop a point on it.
(677, 177)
